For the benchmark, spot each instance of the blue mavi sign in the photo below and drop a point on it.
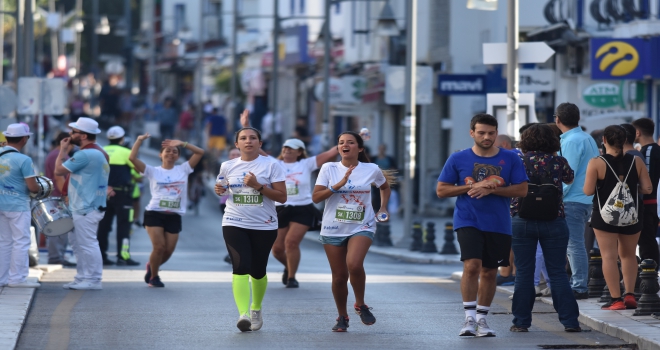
(464, 84)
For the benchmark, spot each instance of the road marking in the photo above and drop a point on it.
(60, 333)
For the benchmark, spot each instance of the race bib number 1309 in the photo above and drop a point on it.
(349, 213)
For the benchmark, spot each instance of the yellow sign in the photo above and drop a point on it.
(621, 56)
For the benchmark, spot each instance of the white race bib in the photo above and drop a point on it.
(292, 189)
(247, 197)
(349, 213)
(170, 202)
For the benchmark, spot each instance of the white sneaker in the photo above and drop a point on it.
(86, 286)
(546, 292)
(483, 330)
(256, 320)
(244, 323)
(469, 327)
(25, 284)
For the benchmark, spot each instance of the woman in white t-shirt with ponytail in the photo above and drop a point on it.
(249, 224)
(349, 222)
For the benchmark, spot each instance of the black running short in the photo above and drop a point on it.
(302, 214)
(491, 248)
(171, 223)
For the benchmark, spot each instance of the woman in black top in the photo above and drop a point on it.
(601, 178)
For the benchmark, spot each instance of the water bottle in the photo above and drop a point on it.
(220, 180)
(364, 132)
(380, 217)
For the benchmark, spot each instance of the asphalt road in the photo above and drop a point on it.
(417, 306)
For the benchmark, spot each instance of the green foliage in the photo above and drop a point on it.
(223, 82)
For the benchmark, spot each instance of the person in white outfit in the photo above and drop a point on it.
(88, 190)
(17, 179)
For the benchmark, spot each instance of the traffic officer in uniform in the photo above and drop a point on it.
(121, 204)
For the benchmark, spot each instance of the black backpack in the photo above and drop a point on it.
(542, 200)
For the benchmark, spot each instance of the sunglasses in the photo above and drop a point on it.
(76, 132)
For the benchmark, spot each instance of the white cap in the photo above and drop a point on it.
(87, 125)
(17, 130)
(116, 132)
(294, 143)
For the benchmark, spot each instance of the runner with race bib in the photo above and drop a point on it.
(253, 184)
(349, 223)
(169, 192)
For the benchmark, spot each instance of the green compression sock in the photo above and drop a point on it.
(240, 285)
(259, 287)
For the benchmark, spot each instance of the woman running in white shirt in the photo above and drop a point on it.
(349, 222)
(168, 184)
(249, 224)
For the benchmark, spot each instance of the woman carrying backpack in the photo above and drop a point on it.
(617, 179)
(539, 218)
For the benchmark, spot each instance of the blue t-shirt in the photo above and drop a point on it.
(218, 125)
(88, 182)
(490, 213)
(15, 167)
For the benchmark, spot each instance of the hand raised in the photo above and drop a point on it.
(245, 118)
(172, 143)
(143, 137)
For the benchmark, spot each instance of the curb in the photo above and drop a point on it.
(15, 305)
(619, 324)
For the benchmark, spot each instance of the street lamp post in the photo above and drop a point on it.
(410, 120)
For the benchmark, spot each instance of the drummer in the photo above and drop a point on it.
(15, 208)
(57, 244)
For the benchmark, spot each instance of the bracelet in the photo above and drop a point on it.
(261, 188)
(184, 144)
(333, 190)
(470, 185)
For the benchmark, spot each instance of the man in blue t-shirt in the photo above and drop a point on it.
(88, 189)
(484, 179)
(17, 180)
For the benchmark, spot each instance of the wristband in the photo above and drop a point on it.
(184, 144)
(261, 188)
(333, 190)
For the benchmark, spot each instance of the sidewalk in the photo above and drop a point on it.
(641, 330)
(15, 304)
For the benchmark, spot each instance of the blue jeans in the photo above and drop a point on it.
(553, 237)
(577, 215)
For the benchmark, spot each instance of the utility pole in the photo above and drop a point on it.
(410, 119)
(326, 77)
(151, 71)
(2, 41)
(200, 73)
(28, 39)
(95, 37)
(53, 35)
(128, 70)
(512, 66)
(234, 65)
(78, 44)
(276, 72)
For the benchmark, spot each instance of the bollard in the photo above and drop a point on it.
(449, 247)
(416, 244)
(607, 296)
(638, 281)
(596, 279)
(429, 241)
(649, 303)
(383, 232)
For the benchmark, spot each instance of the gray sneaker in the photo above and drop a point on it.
(469, 328)
(244, 323)
(256, 319)
(483, 330)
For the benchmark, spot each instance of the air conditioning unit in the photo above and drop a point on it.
(575, 59)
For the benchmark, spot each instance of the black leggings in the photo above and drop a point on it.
(249, 249)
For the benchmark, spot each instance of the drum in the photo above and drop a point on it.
(52, 217)
(45, 188)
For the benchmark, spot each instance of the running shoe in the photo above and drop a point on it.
(505, 281)
(469, 328)
(292, 283)
(629, 301)
(483, 330)
(515, 328)
(147, 276)
(342, 324)
(127, 262)
(256, 320)
(365, 314)
(155, 282)
(285, 277)
(614, 304)
(573, 329)
(244, 323)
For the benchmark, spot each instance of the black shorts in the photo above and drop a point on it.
(302, 214)
(491, 248)
(171, 223)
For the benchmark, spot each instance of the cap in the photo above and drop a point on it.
(116, 132)
(17, 130)
(294, 143)
(87, 125)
